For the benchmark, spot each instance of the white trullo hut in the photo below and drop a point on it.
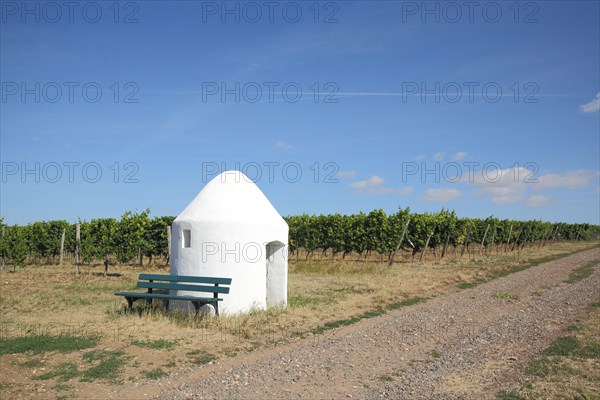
(231, 230)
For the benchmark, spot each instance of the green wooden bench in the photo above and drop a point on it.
(159, 286)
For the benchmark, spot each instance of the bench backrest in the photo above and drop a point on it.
(190, 283)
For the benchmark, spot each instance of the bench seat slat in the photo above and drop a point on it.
(166, 296)
(188, 279)
(178, 286)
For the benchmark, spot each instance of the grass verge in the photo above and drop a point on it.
(368, 314)
(517, 268)
(582, 272)
(567, 369)
(46, 343)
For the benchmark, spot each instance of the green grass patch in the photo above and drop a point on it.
(542, 367)
(27, 363)
(63, 371)
(505, 296)
(563, 346)
(566, 346)
(435, 354)
(596, 305)
(509, 395)
(109, 365)
(46, 343)
(372, 313)
(345, 289)
(385, 378)
(158, 344)
(406, 303)
(569, 346)
(200, 357)
(334, 324)
(154, 374)
(100, 355)
(59, 387)
(582, 272)
(203, 359)
(367, 314)
(298, 301)
(470, 285)
(517, 268)
(346, 321)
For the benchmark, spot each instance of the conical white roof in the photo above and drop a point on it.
(232, 198)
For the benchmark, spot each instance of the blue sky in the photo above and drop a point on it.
(497, 104)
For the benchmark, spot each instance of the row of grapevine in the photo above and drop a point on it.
(377, 232)
(136, 235)
(131, 238)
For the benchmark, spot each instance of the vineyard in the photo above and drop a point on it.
(136, 237)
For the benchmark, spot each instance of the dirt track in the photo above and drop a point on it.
(468, 344)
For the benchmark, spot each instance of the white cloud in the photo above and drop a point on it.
(510, 186)
(346, 174)
(441, 194)
(282, 145)
(439, 156)
(538, 200)
(420, 157)
(374, 185)
(459, 156)
(592, 106)
(371, 182)
(575, 179)
(504, 186)
(405, 191)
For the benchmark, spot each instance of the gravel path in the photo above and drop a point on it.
(468, 344)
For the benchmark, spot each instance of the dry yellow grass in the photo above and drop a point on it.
(54, 300)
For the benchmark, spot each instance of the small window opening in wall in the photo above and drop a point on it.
(187, 238)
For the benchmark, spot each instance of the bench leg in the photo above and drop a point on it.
(197, 307)
(216, 308)
(129, 303)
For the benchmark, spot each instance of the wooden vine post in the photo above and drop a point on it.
(3, 245)
(425, 247)
(391, 261)
(169, 244)
(62, 248)
(445, 245)
(77, 243)
(483, 240)
(462, 252)
(508, 240)
(494, 240)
